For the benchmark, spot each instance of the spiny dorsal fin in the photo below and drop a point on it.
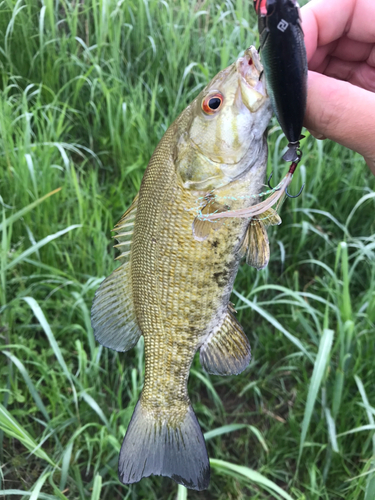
(129, 212)
(124, 229)
(202, 228)
(258, 250)
(227, 349)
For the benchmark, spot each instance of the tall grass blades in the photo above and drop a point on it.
(88, 88)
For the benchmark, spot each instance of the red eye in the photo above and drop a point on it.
(212, 103)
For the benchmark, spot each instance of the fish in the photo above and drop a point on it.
(177, 271)
(283, 55)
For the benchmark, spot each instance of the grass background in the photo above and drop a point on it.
(88, 88)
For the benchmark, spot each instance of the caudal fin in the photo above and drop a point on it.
(164, 448)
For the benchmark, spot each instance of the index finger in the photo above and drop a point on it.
(324, 21)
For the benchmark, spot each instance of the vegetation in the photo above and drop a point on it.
(87, 91)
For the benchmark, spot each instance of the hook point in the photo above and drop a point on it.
(296, 195)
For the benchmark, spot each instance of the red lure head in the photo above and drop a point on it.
(260, 7)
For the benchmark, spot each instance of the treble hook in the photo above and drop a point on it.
(291, 171)
(296, 195)
(269, 185)
(286, 190)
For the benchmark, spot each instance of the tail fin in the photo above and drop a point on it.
(164, 448)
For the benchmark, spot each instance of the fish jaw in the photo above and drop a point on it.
(251, 85)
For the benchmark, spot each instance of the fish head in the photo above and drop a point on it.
(230, 117)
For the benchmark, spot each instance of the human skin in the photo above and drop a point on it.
(340, 46)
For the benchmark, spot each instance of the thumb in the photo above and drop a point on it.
(342, 112)
(371, 164)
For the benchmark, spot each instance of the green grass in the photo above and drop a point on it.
(87, 91)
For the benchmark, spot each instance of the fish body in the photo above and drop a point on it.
(174, 288)
(284, 59)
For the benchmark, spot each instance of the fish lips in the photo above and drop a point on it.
(250, 72)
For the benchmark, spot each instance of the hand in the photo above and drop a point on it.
(340, 45)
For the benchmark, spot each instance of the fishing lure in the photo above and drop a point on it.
(284, 59)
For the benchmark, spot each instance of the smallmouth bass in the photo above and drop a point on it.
(177, 272)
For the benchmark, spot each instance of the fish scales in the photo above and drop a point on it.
(176, 310)
(178, 270)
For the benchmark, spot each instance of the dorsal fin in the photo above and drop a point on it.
(112, 315)
(131, 210)
(124, 229)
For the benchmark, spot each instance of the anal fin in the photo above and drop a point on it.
(227, 349)
(112, 314)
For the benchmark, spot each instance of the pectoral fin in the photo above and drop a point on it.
(201, 227)
(227, 349)
(270, 218)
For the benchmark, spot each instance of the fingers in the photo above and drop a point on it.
(342, 112)
(360, 74)
(319, 61)
(317, 135)
(371, 164)
(340, 42)
(317, 17)
(352, 50)
(324, 21)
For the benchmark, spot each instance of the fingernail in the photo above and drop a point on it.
(317, 135)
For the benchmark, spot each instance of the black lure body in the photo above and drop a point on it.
(284, 59)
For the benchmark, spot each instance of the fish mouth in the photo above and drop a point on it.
(251, 79)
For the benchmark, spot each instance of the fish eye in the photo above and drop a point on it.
(212, 103)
